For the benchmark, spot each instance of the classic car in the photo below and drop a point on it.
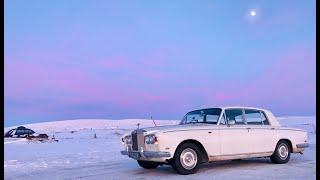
(20, 131)
(214, 134)
(23, 132)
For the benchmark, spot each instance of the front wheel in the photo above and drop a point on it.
(282, 153)
(186, 159)
(148, 164)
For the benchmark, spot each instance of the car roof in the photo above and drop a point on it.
(242, 107)
(22, 128)
(232, 107)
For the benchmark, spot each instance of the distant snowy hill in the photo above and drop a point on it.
(81, 124)
(304, 122)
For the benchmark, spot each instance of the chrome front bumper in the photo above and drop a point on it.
(145, 154)
(303, 145)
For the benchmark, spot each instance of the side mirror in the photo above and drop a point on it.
(231, 122)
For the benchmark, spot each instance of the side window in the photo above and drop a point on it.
(223, 120)
(212, 115)
(253, 117)
(212, 118)
(195, 117)
(264, 119)
(234, 114)
(19, 132)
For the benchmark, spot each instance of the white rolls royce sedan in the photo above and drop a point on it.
(213, 134)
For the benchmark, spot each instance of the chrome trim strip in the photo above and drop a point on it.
(268, 128)
(244, 127)
(191, 130)
(220, 117)
(303, 145)
(146, 154)
(245, 154)
(237, 156)
(292, 129)
(224, 128)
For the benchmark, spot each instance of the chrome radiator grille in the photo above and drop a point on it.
(134, 136)
(137, 139)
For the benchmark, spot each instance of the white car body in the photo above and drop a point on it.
(218, 141)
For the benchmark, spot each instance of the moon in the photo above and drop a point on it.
(253, 13)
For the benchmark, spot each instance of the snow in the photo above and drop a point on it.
(78, 154)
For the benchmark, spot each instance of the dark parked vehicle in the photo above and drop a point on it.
(19, 132)
(40, 136)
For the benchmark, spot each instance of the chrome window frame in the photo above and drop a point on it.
(264, 114)
(224, 115)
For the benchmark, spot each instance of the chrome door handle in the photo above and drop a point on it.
(248, 129)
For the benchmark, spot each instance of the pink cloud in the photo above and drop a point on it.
(27, 80)
(147, 67)
(286, 81)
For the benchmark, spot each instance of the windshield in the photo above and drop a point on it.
(210, 116)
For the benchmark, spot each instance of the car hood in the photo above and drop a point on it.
(178, 127)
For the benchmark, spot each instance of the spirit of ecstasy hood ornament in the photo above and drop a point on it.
(138, 125)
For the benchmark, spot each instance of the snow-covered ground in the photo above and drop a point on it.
(78, 155)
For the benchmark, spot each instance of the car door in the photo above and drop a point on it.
(211, 139)
(261, 135)
(234, 138)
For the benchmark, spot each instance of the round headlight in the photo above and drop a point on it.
(150, 139)
(147, 140)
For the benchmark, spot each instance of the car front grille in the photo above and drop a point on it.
(134, 136)
(137, 139)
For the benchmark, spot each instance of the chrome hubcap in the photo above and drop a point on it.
(283, 151)
(188, 158)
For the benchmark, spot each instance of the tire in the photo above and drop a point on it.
(281, 154)
(186, 159)
(148, 164)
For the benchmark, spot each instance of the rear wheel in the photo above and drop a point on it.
(186, 159)
(282, 153)
(148, 164)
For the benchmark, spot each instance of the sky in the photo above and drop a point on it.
(120, 59)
